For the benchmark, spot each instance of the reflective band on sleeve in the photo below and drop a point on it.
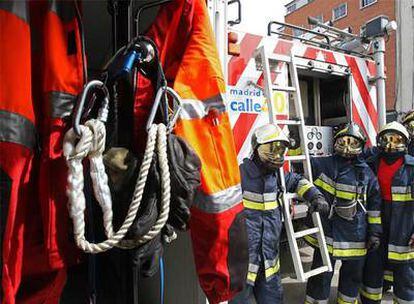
(17, 129)
(260, 206)
(343, 299)
(343, 191)
(272, 270)
(61, 104)
(374, 294)
(388, 276)
(325, 183)
(374, 213)
(192, 108)
(219, 201)
(303, 186)
(402, 197)
(314, 242)
(18, 8)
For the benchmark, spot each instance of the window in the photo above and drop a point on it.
(319, 18)
(340, 11)
(365, 3)
(291, 8)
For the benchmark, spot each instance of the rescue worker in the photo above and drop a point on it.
(408, 122)
(354, 223)
(395, 171)
(262, 199)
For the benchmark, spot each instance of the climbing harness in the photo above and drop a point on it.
(88, 140)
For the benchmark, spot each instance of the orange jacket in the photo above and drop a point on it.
(184, 37)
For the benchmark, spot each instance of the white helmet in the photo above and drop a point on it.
(268, 133)
(393, 137)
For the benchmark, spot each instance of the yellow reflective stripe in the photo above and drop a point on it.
(251, 276)
(374, 220)
(345, 195)
(406, 197)
(371, 296)
(314, 242)
(260, 206)
(389, 277)
(272, 270)
(325, 186)
(341, 301)
(349, 252)
(400, 256)
(302, 190)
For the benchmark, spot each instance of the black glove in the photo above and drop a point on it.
(373, 242)
(319, 204)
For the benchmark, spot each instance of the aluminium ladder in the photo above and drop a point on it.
(268, 62)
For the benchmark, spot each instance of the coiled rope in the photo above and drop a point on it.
(91, 144)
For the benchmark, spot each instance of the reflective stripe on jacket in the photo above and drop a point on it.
(261, 199)
(343, 183)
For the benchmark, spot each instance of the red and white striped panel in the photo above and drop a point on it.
(246, 103)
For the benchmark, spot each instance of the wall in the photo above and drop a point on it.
(355, 18)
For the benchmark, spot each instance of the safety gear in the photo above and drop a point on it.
(267, 134)
(349, 140)
(40, 246)
(398, 225)
(373, 242)
(393, 137)
(261, 199)
(319, 204)
(408, 122)
(182, 33)
(352, 191)
(345, 184)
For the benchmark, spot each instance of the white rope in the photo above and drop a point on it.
(91, 144)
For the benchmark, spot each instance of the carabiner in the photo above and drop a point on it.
(156, 104)
(103, 110)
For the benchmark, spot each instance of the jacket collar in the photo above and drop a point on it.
(408, 160)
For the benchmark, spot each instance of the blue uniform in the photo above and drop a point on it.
(261, 199)
(398, 226)
(344, 183)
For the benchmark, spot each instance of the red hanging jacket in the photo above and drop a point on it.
(183, 34)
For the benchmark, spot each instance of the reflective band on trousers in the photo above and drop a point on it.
(344, 299)
(388, 276)
(374, 217)
(374, 294)
(310, 300)
(272, 267)
(400, 253)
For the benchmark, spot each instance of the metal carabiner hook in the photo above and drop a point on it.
(156, 104)
(103, 110)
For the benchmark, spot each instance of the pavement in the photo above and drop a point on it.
(294, 292)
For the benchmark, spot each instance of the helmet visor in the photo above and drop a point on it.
(272, 154)
(392, 142)
(348, 146)
(410, 127)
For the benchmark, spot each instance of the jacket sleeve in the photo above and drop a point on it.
(374, 202)
(296, 183)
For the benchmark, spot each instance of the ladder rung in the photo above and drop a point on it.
(316, 271)
(280, 58)
(283, 89)
(295, 158)
(303, 233)
(288, 122)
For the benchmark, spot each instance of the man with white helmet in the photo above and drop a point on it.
(262, 199)
(395, 171)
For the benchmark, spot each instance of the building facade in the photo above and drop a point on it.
(353, 14)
